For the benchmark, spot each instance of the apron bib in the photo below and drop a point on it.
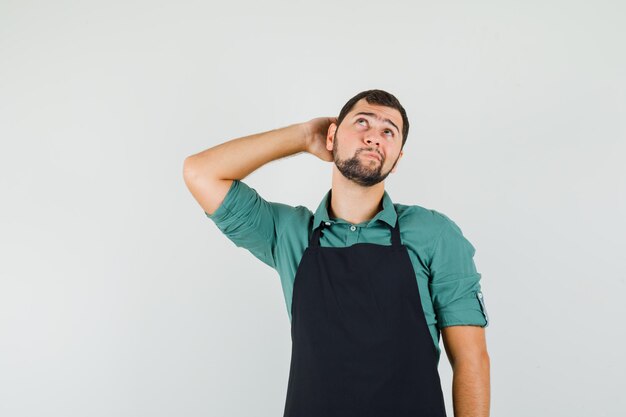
(360, 342)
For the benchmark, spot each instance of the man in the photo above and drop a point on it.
(368, 283)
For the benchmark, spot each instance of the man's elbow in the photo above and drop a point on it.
(194, 168)
(188, 167)
(478, 359)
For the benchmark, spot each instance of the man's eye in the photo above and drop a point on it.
(386, 130)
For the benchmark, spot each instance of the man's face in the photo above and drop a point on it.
(366, 148)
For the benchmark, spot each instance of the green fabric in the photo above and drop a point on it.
(442, 257)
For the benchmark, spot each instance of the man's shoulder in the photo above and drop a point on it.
(292, 222)
(422, 222)
(297, 213)
(415, 212)
(421, 225)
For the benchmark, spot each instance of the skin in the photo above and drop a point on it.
(466, 349)
(209, 174)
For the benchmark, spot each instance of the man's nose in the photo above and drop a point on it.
(370, 139)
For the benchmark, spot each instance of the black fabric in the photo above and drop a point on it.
(360, 342)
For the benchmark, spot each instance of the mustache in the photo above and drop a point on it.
(371, 150)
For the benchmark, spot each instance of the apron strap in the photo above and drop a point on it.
(395, 235)
(315, 236)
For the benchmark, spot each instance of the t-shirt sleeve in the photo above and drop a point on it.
(454, 285)
(249, 221)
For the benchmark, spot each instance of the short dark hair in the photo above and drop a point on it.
(381, 98)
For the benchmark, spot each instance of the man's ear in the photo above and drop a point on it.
(398, 161)
(330, 136)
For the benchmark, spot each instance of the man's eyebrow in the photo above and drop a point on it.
(375, 116)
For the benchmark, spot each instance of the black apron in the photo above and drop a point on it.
(360, 342)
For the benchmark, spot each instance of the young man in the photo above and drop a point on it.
(368, 283)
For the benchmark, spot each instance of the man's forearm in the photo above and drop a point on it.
(237, 158)
(471, 388)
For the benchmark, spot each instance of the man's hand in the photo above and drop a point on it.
(316, 138)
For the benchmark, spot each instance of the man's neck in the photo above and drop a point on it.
(352, 202)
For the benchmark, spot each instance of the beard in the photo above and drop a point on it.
(354, 169)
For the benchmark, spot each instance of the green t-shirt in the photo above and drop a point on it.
(442, 257)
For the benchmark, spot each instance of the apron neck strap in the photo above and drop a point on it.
(315, 237)
(395, 235)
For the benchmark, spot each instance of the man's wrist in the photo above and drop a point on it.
(304, 136)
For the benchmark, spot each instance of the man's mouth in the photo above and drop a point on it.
(373, 155)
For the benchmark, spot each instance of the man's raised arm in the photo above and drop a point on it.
(209, 174)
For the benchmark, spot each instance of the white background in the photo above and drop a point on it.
(118, 297)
